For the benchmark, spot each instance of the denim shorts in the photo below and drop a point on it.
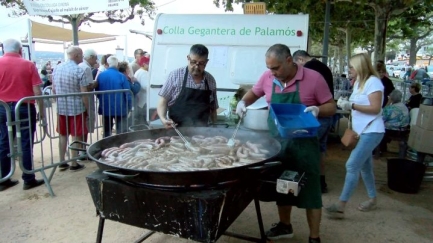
(325, 126)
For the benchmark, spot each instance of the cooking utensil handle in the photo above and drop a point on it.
(227, 182)
(78, 149)
(180, 134)
(266, 165)
(118, 176)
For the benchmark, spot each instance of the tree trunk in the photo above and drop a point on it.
(348, 41)
(334, 61)
(340, 58)
(326, 32)
(380, 28)
(412, 51)
(74, 23)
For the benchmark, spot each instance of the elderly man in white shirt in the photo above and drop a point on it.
(90, 58)
(142, 76)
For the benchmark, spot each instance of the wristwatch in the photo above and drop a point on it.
(353, 106)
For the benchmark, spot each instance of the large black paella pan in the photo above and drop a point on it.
(185, 178)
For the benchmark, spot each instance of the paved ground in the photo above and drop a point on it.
(34, 217)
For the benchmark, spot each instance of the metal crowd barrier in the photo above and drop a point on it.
(404, 86)
(45, 148)
(9, 124)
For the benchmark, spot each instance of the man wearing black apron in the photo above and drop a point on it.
(285, 82)
(189, 94)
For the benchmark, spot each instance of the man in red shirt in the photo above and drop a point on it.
(19, 78)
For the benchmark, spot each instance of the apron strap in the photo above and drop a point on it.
(185, 77)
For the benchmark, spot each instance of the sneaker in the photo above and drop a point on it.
(63, 167)
(76, 167)
(280, 231)
(313, 240)
(334, 211)
(81, 154)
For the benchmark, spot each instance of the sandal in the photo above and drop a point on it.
(76, 168)
(63, 167)
(334, 211)
(367, 206)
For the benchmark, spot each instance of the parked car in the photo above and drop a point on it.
(430, 71)
(398, 71)
(390, 71)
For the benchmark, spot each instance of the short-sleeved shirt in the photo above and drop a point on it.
(87, 71)
(69, 78)
(360, 97)
(17, 78)
(313, 89)
(142, 77)
(134, 67)
(324, 70)
(172, 87)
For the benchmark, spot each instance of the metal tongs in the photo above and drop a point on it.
(187, 144)
(231, 141)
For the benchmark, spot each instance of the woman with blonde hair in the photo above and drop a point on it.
(366, 106)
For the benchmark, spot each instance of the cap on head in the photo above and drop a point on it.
(144, 60)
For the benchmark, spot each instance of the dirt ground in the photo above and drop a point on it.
(34, 217)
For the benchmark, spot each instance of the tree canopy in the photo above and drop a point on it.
(367, 21)
(140, 8)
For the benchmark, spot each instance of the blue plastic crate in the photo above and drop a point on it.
(293, 122)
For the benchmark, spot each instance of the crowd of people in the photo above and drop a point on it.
(76, 114)
(189, 98)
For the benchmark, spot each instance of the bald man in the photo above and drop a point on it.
(69, 78)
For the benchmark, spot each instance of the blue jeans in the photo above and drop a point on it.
(325, 126)
(361, 160)
(27, 139)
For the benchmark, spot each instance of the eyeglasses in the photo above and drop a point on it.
(194, 62)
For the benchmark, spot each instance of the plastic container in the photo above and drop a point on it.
(293, 122)
(405, 175)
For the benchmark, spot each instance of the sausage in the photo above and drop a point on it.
(242, 152)
(177, 146)
(113, 153)
(256, 155)
(128, 145)
(105, 151)
(175, 139)
(250, 161)
(264, 151)
(220, 139)
(252, 146)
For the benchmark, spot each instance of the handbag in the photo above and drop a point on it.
(350, 138)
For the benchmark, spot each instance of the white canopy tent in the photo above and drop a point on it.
(49, 34)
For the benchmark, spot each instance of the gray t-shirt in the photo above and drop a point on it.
(134, 65)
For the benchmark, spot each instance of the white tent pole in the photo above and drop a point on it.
(65, 55)
(126, 48)
(30, 39)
